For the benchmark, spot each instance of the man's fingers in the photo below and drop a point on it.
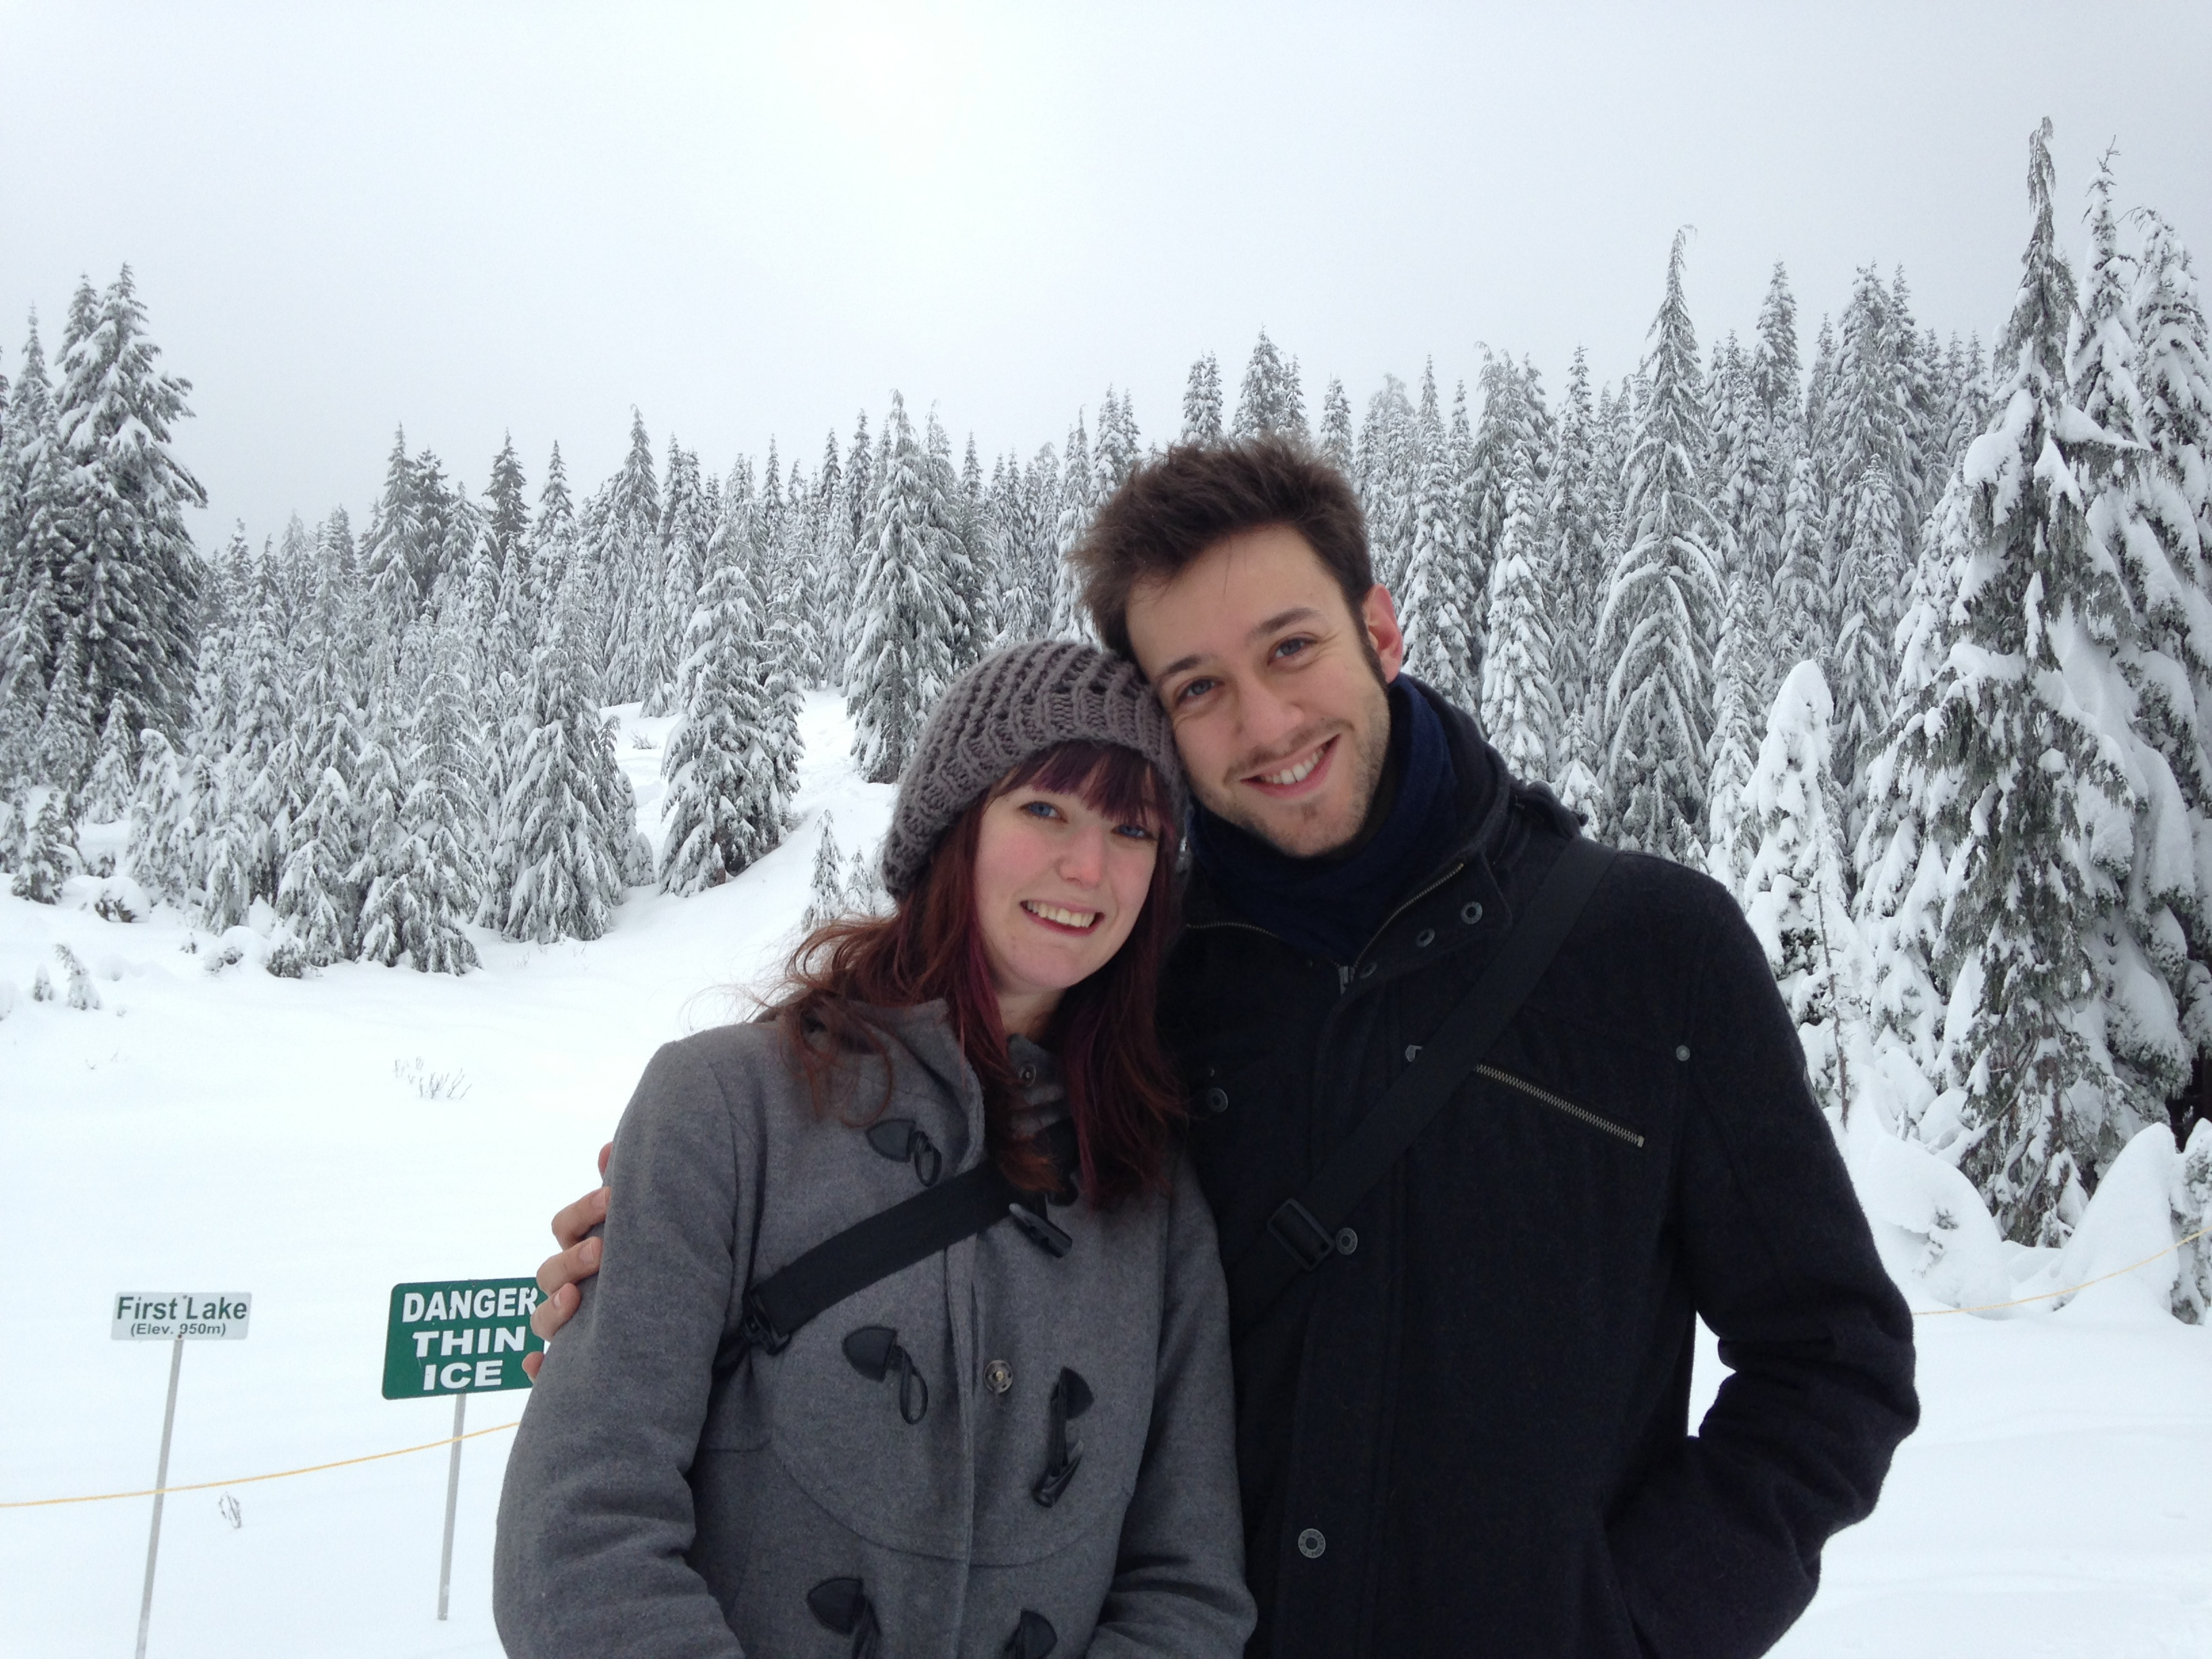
(572, 1223)
(577, 1259)
(552, 1312)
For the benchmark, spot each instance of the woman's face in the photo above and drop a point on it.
(1058, 887)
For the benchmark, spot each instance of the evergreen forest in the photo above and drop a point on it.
(1907, 641)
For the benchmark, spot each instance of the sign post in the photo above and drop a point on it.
(458, 1337)
(173, 1316)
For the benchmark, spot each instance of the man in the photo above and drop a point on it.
(1465, 1432)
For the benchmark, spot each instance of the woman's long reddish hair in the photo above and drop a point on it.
(1122, 1092)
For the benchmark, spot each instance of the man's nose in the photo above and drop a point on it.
(1268, 718)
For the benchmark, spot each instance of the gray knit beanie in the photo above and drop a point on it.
(1007, 709)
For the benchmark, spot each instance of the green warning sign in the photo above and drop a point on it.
(459, 1336)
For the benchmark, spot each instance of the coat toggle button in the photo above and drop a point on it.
(1311, 1543)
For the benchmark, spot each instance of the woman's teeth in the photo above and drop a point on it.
(1065, 918)
(1297, 773)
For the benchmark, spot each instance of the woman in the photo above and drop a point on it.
(1017, 1445)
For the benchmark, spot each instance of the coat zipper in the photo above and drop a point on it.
(1344, 975)
(1591, 1118)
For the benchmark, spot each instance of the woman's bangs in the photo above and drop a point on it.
(1113, 781)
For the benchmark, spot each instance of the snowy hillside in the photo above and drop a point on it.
(315, 1141)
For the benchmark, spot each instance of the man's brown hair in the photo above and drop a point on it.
(1172, 509)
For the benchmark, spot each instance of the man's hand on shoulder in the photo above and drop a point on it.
(577, 1260)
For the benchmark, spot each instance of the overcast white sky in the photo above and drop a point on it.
(756, 221)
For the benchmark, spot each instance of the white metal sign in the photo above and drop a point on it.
(171, 1316)
(163, 1315)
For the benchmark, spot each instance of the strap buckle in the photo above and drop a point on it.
(1297, 1230)
(760, 1330)
(1041, 1232)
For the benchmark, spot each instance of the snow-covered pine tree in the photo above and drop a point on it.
(505, 523)
(389, 551)
(903, 656)
(66, 738)
(625, 549)
(114, 767)
(133, 579)
(318, 896)
(385, 871)
(1793, 886)
(1388, 473)
(1662, 611)
(1270, 400)
(1804, 595)
(1577, 559)
(262, 793)
(49, 857)
(1574, 582)
(1201, 401)
(681, 539)
(2174, 375)
(865, 893)
(448, 522)
(33, 553)
(155, 857)
(443, 816)
(1869, 522)
(2020, 784)
(1336, 427)
(949, 538)
(829, 537)
(1118, 448)
(1078, 501)
(825, 895)
(2155, 986)
(564, 859)
(1440, 603)
(714, 748)
(1489, 468)
(1037, 546)
(1732, 750)
(970, 532)
(1520, 691)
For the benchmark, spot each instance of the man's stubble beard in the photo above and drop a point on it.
(1368, 750)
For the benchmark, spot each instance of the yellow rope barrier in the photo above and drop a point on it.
(248, 1480)
(500, 1428)
(2021, 1302)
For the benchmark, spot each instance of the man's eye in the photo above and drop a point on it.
(1192, 689)
(1291, 648)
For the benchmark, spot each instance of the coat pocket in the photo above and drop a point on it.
(1560, 1103)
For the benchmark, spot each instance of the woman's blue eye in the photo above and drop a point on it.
(1136, 832)
(1041, 809)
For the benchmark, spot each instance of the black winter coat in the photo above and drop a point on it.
(1469, 1435)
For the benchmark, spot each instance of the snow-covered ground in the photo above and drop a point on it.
(315, 1142)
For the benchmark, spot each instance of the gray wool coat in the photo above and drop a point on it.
(650, 1510)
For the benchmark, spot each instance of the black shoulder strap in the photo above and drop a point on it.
(911, 1231)
(1302, 1233)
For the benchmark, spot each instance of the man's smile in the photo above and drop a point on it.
(1302, 775)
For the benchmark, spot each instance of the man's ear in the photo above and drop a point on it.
(1378, 614)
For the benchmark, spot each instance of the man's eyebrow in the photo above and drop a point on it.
(1273, 624)
(1279, 620)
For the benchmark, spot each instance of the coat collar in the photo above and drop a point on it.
(1486, 795)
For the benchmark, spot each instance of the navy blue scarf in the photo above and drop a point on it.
(1332, 906)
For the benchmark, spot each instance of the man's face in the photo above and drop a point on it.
(1272, 683)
